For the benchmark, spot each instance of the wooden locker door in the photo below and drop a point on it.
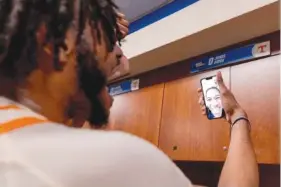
(256, 85)
(185, 133)
(139, 112)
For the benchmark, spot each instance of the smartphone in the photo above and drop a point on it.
(212, 98)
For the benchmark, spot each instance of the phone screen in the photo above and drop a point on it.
(212, 98)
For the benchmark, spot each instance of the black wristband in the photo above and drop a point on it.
(241, 118)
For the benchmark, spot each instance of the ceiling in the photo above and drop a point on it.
(268, 22)
(135, 9)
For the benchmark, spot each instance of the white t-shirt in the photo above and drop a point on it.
(53, 155)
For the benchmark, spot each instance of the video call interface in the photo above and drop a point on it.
(212, 97)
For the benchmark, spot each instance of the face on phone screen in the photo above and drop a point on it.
(212, 97)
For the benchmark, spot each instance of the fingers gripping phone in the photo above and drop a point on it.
(212, 98)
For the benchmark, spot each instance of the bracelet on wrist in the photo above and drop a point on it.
(239, 119)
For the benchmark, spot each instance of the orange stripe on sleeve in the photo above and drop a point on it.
(19, 123)
(7, 107)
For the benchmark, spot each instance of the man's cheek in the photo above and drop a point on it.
(124, 65)
(121, 70)
(109, 66)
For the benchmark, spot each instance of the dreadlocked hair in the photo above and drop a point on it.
(96, 11)
(20, 19)
(92, 81)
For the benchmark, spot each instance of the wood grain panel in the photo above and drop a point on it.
(256, 86)
(185, 133)
(139, 112)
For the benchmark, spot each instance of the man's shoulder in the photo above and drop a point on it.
(49, 136)
(66, 147)
(53, 142)
(98, 155)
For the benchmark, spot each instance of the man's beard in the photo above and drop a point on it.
(99, 115)
(92, 110)
(92, 81)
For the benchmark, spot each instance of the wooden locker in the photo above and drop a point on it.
(185, 133)
(256, 86)
(139, 112)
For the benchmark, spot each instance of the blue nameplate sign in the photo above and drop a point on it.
(232, 56)
(124, 87)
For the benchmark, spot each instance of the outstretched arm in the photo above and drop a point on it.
(240, 168)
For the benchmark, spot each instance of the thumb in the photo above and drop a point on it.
(221, 84)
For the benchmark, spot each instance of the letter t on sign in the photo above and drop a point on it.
(261, 48)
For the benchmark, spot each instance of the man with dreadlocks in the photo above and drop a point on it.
(52, 50)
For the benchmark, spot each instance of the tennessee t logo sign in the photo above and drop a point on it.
(261, 49)
(232, 56)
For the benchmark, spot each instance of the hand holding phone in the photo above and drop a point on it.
(231, 108)
(212, 98)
